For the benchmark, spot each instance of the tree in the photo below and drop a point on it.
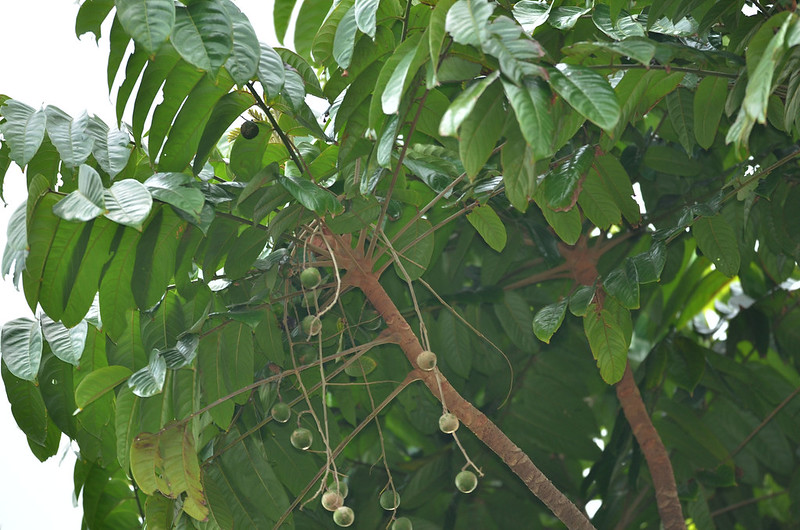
(248, 308)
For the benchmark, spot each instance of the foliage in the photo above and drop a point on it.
(481, 159)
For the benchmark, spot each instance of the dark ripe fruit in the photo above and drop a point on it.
(390, 500)
(311, 325)
(448, 423)
(466, 482)
(344, 516)
(402, 523)
(310, 278)
(426, 360)
(281, 412)
(331, 500)
(249, 130)
(301, 438)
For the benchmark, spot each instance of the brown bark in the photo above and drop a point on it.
(360, 275)
(669, 506)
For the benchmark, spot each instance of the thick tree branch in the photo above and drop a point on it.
(360, 275)
(669, 506)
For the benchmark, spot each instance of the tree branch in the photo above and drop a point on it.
(669, 506)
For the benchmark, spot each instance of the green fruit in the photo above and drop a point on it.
(301, 438)
(371, 320)
(402, 523)
(390, 500)
(249, 130)
(311, 325)
(310, 278)
(281, 412)
(466, 482)
(448, 423)
(344, 516)
(310, 300)
(426, 360)
(363, 366)
(331, 501)
(342, 488)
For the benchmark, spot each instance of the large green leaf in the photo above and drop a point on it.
(519, 177)
(27, 405)
(23, 130)
(155, 73)
(561, 185)
(617, 183)
(481, 130)
(680, 106)
(437, 31)
(607, 341)
(597, 202)
(462, 106)
(531, 14)
(179, 83)
(149, 22)
(66, 343)
(149, 380)
(365, 11)
(533, 108)
(244, 252)
(16, 244)
(91, 15)
(407, 63)
(514, 314)
(133, 69)
(85, 203)
(181, 469)
(709, 102)
(488, 224)
(243, 62)
(21, 347)
(517, 53)
(414, 247)
(345, 37)
(623, 284)
(111, 147)
(225, 112)
(548, 319)
(176, 189)
(116, 297)
(203, 34)
(98, 383)
(270, 71)
(310, 195)
(467, 21)
(42, 228)
(587, 92)
(155, 257)
(128, 203)
(717, 240)
(312, 13)
(70, 137)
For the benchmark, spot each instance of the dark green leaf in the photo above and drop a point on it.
(66, 343)
(462, 106)
(98, 383)
(587, 92)
(709, 102)
(717, 240)
(486, 221)
(203, 34)
(481, 130)
(607, 341)
(175, 189)
(561, 185)
(680, 106)
(243, 61)
(344, 39)
(548, 319)
(149, 22)
(270, 71)
(310, 195)
(533, 109)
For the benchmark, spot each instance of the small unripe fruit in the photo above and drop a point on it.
(332, 500)
(311, 325)
(310, 278)
(371, 320)
(249, 130)
(426, 360)
(466, 482)
(310, 299)
(344, 516)
(448, 423)
(281, 412)
(402, 523)
(342, 488)
(390, 500)
(301, 438)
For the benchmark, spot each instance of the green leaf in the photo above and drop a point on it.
(91, 15)
(270, 71)
(27, 405)
(23, 130)
(759, 81)
(228, 108)
(468, 20)
(98, 383)
(717, 240)
(182, 470)
(66, 343)
(155, 257)
(548, 319)
(128, 203)
(118, 48)
(111, 147)
(312, 14)
(149, 381)
(308, 74)
(243, 61)
(623, 284)
(624, 27)
(680, 107)
(144, 460)
(70, 136)
(387, 71)
(85, 203)
(481, 130)
(21, 347)
(709, 102)
(597, 202)
(561, 185)
(42, 228)
(514, 314)
(533, 109)
(437, 31)
(567, 224)
(183, 353)
(202, 34)
(607, 342)
(579, 300)
(16, 244)
(531, 14)
(516, 53)
(281, 14)
(383, 154)
(174, 189)
(133, 69)
(565, 17)
(401, 77)
(244, 252)
(156, 71)
(486, 221)
(310, 195)
(116, 297)
(462, 106)
(587, 92)
(618, 184)
(519, 177)
(414, 250)
(149, 22)
(345, 37)
(650, 264)
(365, 11)
(180, 82)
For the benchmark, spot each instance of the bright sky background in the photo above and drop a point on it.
(43, 63)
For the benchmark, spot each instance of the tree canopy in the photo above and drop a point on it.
(440, 264)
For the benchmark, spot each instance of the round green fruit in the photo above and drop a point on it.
(344, 516)
(389, 500)
(310, 278)
(426, 360)
(281, 412)
(466, 482)
(341, 488)
(249, 130)
(331, 501)
(311, 325)
(402, 523)
(301, 438)
(448, 423)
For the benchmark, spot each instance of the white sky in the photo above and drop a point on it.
(41, 63)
